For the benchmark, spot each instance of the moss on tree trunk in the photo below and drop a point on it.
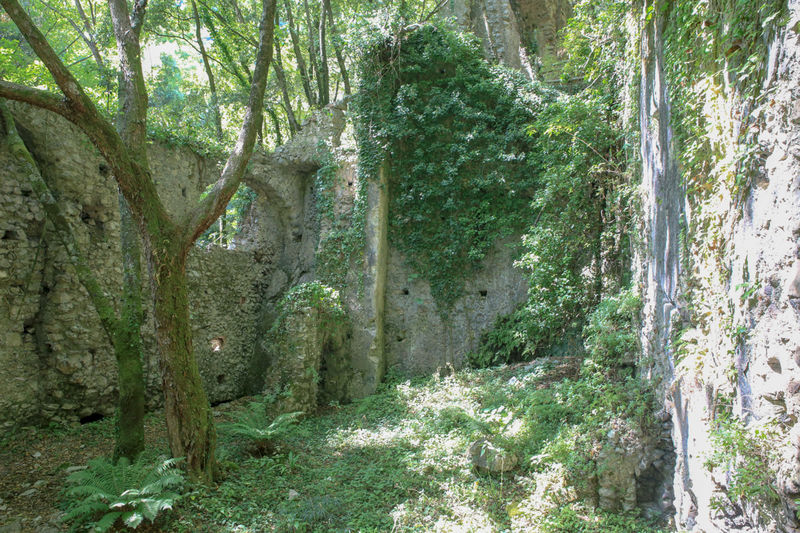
(128, 343)
(190, 426)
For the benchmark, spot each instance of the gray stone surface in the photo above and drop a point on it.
(305, 350)
(487, 457)
(749, 287)
(520, 34)
(55, 361)
(419, 340)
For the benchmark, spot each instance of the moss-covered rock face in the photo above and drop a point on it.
(309, 361)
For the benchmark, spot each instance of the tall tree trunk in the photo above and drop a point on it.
(166, 241)
(287, 101)
(301, 63)
(313, 58)
(322, 69)
(337, 48)
(89, 35)
(209, 73)
(275, 124)
(128, 342)
(191, 432)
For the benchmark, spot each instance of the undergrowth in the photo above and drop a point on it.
(397, 460)
(125, 494)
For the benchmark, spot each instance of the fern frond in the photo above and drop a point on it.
(132, 519)
(107, 521)
(131, 492)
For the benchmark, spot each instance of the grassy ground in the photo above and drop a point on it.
(395, 461)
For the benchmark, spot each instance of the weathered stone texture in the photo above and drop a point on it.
(308, 362)
(741, 334)
(520, 34)
(21, 260)
(57, 361)
(419, 339)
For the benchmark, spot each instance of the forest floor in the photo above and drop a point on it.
(395, 461)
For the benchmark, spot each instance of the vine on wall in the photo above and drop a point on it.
(451, 129)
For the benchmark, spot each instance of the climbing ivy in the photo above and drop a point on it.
(343, 240)
(450, 132)
(708, 46)
(311, 295)
(577, 242)
(749, 457)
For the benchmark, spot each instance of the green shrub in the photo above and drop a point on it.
(748, 455)
(256, 427)
(579, 519)
(610, 335)
(124, 494)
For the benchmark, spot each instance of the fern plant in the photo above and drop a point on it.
(127, 493)
(254, 426)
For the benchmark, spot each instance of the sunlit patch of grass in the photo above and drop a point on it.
(396, 461)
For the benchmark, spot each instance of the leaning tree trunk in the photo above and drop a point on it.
(167, 242)
(123, 334)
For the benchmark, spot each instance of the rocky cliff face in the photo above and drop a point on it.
(520, 34)
(719, 274)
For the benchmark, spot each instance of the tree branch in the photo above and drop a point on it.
(36, 97)
(212, 206)
(137, 19)
(90, 35)
(61, 74)
(132, 118)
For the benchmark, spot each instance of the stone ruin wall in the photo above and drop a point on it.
(55, 360)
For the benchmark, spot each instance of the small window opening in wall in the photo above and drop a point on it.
(483, 292)
(298, 237)
(217, 343)
(242, 300)
(350, 183)
(405, 292)
(103, 169)
(94, 417)
(10, 235)
(183, 192)
(221, 379)
(400, 339)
